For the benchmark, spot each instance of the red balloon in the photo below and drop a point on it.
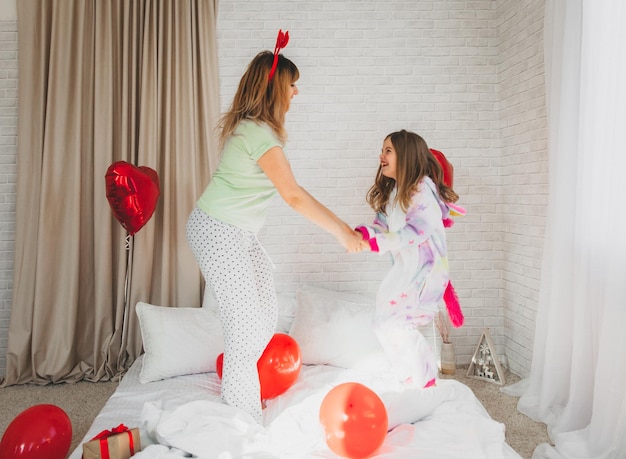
(132, 193)
(354, 419)
(278, 367)
(448, 169)
(39, 432)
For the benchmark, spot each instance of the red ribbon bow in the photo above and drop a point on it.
(281, 41)
(105, 434)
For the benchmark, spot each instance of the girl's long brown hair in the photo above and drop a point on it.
(414, 161)
(259, 99)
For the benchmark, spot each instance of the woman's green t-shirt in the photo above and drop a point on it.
(239, 191)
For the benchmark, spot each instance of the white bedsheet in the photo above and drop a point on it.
(183, 417)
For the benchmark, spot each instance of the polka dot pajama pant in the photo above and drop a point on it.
(235, 265)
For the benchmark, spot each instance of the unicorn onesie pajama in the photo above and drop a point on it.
(409, 295)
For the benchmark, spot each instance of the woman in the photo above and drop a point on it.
(222, 229)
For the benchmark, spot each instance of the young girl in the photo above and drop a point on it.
(222, 229)
(412, 206)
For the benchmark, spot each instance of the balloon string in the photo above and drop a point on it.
(127, 283)
(129, 259)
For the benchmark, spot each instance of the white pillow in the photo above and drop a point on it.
(334, 328)
(178, 341)
(286, 311)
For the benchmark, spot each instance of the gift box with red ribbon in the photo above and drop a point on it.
(117, 443)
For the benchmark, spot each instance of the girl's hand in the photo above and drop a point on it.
(351, 240)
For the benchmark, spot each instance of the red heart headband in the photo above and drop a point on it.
(281, 41)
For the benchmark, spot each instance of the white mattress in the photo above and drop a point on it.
(183, 417)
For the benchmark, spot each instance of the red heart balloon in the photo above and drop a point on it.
(132, 193)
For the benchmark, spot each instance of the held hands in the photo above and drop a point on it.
(351, 240)
(365, 245)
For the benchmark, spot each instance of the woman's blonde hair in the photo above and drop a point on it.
(414, 161)
(260, 99)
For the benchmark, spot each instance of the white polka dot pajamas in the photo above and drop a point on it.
(240, 273)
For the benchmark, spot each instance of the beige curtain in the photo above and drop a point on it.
(103, 81)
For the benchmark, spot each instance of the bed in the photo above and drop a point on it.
(171, 392)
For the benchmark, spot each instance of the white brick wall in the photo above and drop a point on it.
(468, 77)
(8, 154)
(523, 170)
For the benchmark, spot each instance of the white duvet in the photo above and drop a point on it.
(183, 417)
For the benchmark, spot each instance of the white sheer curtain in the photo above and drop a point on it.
(577, 384)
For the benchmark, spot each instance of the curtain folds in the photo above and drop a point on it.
(577, 384)
(100, 82)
